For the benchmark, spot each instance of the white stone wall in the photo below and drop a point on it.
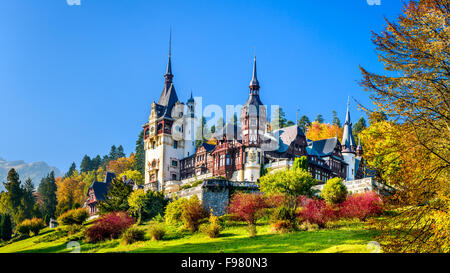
(355, 186)
(349, 158)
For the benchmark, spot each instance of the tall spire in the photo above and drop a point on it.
(254, 84)
(348, 141)
(169, 75)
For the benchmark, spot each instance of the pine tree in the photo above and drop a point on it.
(113, 153)
(5, 227)
(279, 120)
(139, 157)
(47, 190)
(96, 162)
(72, 169)
(359, 126)
(86, 164)
(303, 123)
(117, 197)
(14, 190)
(319, 118)
(120, 152)
(28, 198)
(336, 120)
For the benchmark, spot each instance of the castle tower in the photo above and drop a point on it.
(254, 126)
(189, 128)
(163, 137)
(348, 146)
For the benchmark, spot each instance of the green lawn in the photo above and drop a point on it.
(345, 236)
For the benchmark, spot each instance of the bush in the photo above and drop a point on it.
(74, 229)
(247, 206)
(5, 227)
(275, 200)
(157, 231)
(132, 235)
(28, 226)
(192, 213)
(317, 212)
(73, 217)
(109, 226)
(283, 219)
(213, 228)
(334, 191)
(362, 206)
(173, 212)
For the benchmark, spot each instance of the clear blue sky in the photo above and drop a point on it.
(75, 80)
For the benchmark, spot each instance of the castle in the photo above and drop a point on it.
(235, 152)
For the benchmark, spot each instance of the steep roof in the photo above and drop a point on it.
(101, 188)
(167, 100)
(287, 136)
(324, 147)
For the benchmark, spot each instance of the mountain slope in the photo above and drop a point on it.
(35, 170)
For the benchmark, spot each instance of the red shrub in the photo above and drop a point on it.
(302, 201)
(247, 206)
(109, 226)
(317, 212)
(362, 206)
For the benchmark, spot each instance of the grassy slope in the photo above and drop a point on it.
(344, 237)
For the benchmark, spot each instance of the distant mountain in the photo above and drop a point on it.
(36, 171)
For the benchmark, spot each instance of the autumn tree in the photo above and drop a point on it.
(121, 164)
(414, 95)
(70, 193)
(318, 131)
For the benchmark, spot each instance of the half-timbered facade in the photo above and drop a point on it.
(236, 152)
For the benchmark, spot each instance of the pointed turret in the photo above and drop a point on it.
(359, 149)
(348, 141)
(169, 76)
(254, 84)
(168, 96)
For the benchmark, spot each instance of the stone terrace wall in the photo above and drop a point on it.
(215, 194)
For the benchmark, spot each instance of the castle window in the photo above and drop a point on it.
(153, 145)
(228, 159)
(175, 144)
(174, 163)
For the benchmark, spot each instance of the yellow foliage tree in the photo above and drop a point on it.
(318, 131)
(121, 165)
(415, 52)
(70, 192)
